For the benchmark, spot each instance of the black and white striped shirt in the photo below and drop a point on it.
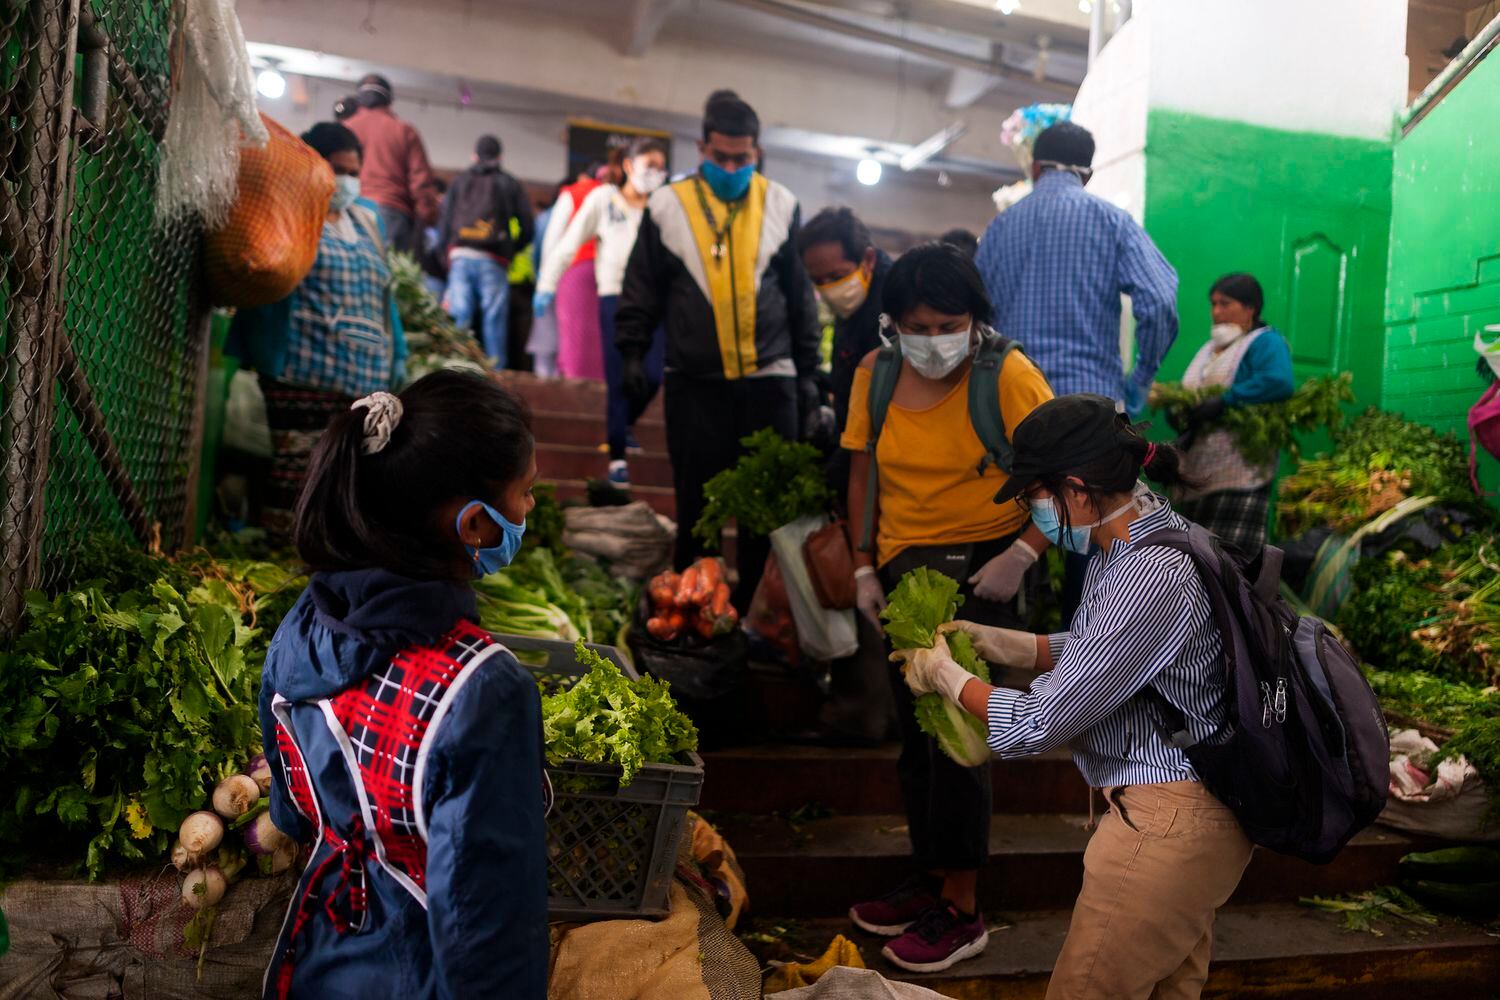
(1145, 618)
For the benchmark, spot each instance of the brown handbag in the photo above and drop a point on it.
(830, 563)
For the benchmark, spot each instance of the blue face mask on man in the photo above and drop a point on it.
(727, 185)
(497, 557)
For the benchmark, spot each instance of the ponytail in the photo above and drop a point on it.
(1160, 462)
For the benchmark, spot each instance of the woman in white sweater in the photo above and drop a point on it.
(612, 214)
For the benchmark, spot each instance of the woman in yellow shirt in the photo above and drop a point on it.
(935, 507)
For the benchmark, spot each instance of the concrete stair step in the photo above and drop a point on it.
(566, 395)
(661, 498)
(589, 429)
(576, 461)
(821, 866)
(862, 781)
(1280, 951)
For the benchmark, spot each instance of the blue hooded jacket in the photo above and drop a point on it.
(483, 932)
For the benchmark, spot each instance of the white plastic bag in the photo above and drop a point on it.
(245, 426)
(822, 634)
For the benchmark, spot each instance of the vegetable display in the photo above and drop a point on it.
(1261, 432)
(923, 600)
(775, 482)
(695, 601)
(125, 698)
(544, 597)
(607, 718)
(1377, 461)
(432, 338)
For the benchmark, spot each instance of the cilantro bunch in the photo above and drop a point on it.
(607, 718)
(775, 482)
(1263, 430)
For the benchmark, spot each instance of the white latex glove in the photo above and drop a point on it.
(1000, 578)
(933, 669)
(1008, 647)
(869, 596)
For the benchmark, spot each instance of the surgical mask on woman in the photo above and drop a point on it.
(345, 191)
(496, 557)
(1078, 539)
(644, 177)
(936, 356)
(847, 294)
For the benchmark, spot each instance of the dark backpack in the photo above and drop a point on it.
(1303, 757)
(483, 205)
(984, 410)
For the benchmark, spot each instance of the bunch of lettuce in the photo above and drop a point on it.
(607, 718)
(922, 601)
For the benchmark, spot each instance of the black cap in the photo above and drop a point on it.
(1063, 433)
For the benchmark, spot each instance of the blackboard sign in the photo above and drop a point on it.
(590, 143)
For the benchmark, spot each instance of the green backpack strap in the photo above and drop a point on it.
(882, 388)
(984, 401)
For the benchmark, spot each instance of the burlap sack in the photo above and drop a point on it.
(73, 940)
(270, 241)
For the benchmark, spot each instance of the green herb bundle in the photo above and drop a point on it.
(431, 336)
(607, 718)
(1262, 431)
(775, 482)
(1377, 461)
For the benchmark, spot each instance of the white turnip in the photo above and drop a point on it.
(259, 769)
(183, 859)
(262, 836)
(283, 857)
(203, 887)
(235, 795)
(200, 833)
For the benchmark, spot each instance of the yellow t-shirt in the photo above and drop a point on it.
(931, 492)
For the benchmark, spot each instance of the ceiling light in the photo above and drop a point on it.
(270, 83)
(868, 172)
(1007, 6)
(1085, 7)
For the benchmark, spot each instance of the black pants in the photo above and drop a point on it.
(947, 804)
(705, 420)
(1075, 571)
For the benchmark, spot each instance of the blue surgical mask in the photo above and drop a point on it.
(727, 185)
(345, 191)
(496, 558)
(1079, 537)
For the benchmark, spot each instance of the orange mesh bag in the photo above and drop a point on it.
(270, 241)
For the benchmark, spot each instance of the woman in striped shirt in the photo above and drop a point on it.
(1167, 854)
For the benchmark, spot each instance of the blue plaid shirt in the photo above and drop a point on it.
(1054, 265)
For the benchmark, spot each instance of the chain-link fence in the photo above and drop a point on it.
(101, 335)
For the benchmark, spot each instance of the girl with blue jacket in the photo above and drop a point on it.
(405, 744)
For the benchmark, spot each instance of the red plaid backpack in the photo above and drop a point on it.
(384, 727)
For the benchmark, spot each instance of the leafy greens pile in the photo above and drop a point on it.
(545, 597)
(1378, 460)
(923, 600)
(775, 482)
(435, 342)
(124, 699)
(1263, 431)
(607, 718)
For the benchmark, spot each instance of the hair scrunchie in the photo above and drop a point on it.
(1150, 454)
(382, 413)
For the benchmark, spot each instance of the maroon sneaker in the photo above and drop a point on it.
(939, 938)
(894, 912)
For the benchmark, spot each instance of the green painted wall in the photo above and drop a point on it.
(1445, 254)
(1308, 215)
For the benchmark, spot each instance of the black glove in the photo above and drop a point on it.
(809, 397)
(634, 383)
(1206, 412)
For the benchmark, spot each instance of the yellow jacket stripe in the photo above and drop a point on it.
(732, 278)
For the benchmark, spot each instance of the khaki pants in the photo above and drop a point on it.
(1164, 858)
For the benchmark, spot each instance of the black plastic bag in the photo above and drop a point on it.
(710, 681)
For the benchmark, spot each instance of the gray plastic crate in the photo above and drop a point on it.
(611, 851)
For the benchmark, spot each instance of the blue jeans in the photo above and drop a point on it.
(483, 285)
(620, 415)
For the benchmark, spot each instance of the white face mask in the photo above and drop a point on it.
(936, 356)
(345, 190)
(846, 295)
(646, 178)
(1224, 334)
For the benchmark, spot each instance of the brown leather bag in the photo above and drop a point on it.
(830, 564)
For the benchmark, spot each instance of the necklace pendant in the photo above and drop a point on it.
(718, 251)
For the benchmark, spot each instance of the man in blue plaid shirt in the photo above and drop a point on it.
(1055, 265)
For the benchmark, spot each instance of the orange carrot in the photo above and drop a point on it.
(688, 587)
(710, 575)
